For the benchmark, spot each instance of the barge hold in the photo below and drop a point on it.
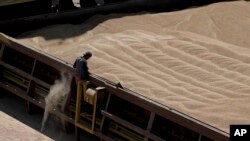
(29, 73)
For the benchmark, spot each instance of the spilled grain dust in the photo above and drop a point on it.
(57, 97)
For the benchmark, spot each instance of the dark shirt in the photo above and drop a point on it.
(81, 68)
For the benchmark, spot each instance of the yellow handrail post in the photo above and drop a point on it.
(82, 91)
(78, 102)
(94, 113)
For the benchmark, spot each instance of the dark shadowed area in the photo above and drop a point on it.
(16, 108)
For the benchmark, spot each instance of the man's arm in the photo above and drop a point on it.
(85, 70)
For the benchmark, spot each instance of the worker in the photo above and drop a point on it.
(81, 67)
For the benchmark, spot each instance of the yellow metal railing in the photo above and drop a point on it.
(90, 98)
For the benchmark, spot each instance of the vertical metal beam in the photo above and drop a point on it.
(77, 134)
(78, 101)
(28, 106)
(32, 72)
(200, 136)
(1, 51)
(150, 123)
(106, 109)
(94, 113)
(1, 54)
(78, 109)
(33, 69)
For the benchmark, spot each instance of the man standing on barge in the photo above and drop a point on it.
(81, 67)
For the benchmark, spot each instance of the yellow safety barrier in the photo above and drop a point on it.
(90, 96)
